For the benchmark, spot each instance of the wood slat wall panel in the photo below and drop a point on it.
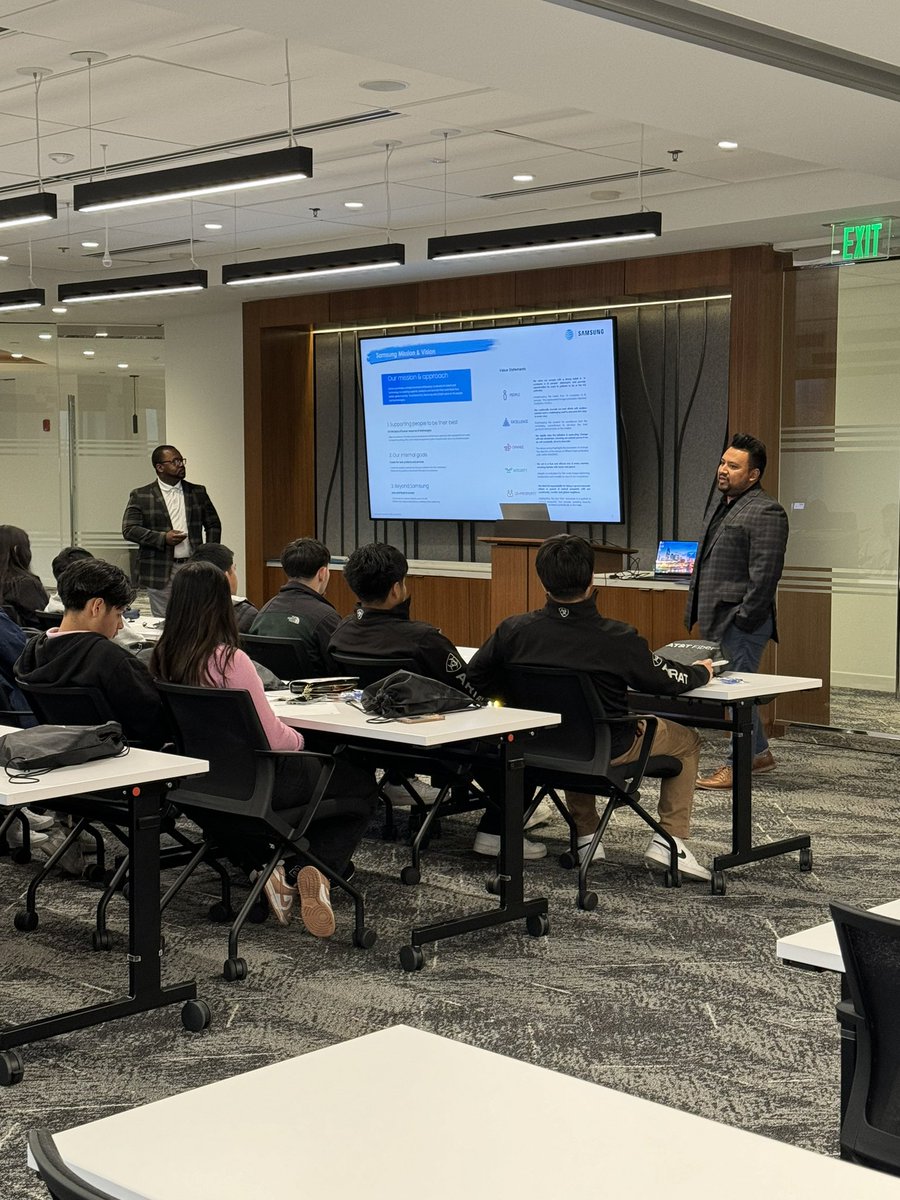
(481, 293)
(678, 273)
(396, 303)
(558, 286)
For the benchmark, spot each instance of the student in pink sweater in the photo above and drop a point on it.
(199, 647)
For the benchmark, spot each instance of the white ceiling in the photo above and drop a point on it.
(530, 87)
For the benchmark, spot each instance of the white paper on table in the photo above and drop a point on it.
(319, 708)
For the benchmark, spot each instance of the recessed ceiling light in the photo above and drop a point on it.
(89, 353)
(16, 354)
(61, 157)
(90, 245)
(523, 178)
(212, 225)
(728, 145)
(353, 204)
(384, 85)
(4, 258)
(45, 337)
(59, 309)
(122, 366)
(101, 333)
(605, 194)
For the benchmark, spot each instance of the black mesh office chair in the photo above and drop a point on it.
(61, 1182)
(575, 754)
(870, 948)
(88, 706)
(284, 656)
(15, 715)
(221, 725)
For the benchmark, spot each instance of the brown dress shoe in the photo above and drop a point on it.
(718, 779)
(764, 762)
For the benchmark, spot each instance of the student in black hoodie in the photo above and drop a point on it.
(81, 651)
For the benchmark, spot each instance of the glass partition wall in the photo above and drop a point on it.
(81, 407)
(840, 482)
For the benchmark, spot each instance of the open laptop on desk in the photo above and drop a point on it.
(675, 560)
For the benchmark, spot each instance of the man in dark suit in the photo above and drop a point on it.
(739, 564)
(168, 520)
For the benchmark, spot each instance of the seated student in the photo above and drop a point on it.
(65, 558)
(223, 558)
(381, 627)
(81, 651)
(300, 610)
(20, 588)
(569, 632)
(12, 642)
(199, 647)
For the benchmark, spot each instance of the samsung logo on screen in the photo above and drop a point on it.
(591, 332)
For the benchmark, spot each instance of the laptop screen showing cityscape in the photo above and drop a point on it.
(675, 559)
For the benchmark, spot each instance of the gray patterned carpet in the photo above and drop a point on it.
(672, 995)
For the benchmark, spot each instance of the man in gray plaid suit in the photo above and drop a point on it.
(739, 563)
(167, 519)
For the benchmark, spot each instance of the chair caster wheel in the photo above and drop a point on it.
(219, 913)
(412, 958)
(234, 969)
(101, 940)
(259, 912)
(538, 925)
(410, 876)
(568, 861)
(196, 1015)
(20, 855)
(25, 921)
(717, 883)
(806, 859)
(493, 885)
(126, 891)
(93, 873)
(588, 902)
(365, 940)
(12, 1069)
(671, 878)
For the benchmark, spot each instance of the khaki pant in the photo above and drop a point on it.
(676, 796)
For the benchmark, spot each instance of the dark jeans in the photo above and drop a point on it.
(744, 651)
(332, 839)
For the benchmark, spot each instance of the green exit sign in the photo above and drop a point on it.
(861, 241)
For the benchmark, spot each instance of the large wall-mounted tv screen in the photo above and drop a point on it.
(459, 423)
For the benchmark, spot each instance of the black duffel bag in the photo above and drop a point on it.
(30, 752)
(404, 694)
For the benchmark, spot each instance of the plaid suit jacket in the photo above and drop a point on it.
(146, 521)
(738, 566)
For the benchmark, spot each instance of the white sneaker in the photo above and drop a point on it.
(42, 821)
(489, 844)
(584, 844)
(14, 835)
(542, 815)
(658, 852)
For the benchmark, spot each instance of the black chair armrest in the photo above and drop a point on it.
(312, 805)
(847, 1014)
(640, 764)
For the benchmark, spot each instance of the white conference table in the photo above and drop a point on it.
(727, 703)
(501, 726)
(141, 778)
(817, 949)
(402, 1114)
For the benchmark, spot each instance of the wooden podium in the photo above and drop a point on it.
(515, 587)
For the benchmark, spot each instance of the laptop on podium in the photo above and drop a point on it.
(675, 560)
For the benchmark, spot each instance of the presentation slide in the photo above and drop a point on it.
(459, 423)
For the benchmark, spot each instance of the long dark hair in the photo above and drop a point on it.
(199, 619)
(15, 554)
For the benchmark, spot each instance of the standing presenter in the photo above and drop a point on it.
(168, 519)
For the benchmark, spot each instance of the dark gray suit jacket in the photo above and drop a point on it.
(738, 566)
(146, 522)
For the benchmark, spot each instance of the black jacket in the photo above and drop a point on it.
(25, 594)
(91, 660)
(389, 633)
(575, 637)
(298, 611)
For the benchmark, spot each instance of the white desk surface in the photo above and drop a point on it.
(818, 946)
(752, 685)
(402, 1113)
(135, 767)
(340, 717)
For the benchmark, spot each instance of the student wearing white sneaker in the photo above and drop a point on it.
(568, 632)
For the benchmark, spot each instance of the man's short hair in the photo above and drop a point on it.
(756, 450)
(372, 571)
(159, 454)
(90, 578)
(65, 558)
(303, 557)
(565, 566)
(220, 556)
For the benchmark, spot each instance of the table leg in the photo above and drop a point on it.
(145, 988)
(513, 905)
